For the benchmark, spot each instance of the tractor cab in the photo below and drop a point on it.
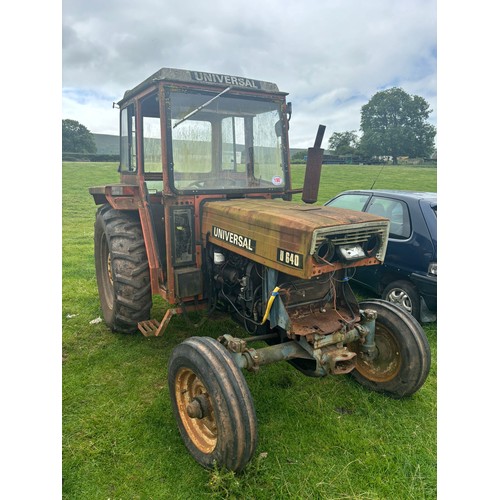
(187, 137)
(191, 133)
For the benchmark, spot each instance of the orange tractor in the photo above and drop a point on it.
(203, 217)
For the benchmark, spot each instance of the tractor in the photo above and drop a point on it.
(204, 216)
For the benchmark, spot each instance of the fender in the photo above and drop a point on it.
(132, 197)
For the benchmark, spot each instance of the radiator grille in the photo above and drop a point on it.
(353, 234)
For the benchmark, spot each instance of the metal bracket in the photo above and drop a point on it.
(367, 346)
(339, 360)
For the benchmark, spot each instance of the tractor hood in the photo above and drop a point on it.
(301, 240)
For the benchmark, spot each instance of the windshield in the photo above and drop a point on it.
(230, 143)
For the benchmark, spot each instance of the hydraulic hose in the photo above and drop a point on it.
(274, 293)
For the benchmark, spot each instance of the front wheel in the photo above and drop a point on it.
(212, 404)
(401, 363)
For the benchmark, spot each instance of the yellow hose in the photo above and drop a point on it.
(270, 303)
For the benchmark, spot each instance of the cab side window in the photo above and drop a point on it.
(128, 154)
(151, 142)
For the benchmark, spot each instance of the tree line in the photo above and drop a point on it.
(393, 123)
(76, 138)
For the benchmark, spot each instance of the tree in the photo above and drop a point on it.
(394, 123)
(343, 143)
(298, 156)
(76, 138)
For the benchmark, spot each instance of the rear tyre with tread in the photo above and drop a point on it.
(122, 269)
(403, 358)
(212, 404)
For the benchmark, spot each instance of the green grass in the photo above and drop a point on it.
(338, 178)
(318, 438)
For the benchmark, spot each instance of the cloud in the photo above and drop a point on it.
(331, 56)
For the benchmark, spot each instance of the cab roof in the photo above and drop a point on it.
(203, 78)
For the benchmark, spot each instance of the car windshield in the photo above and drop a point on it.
(351, 201)
(223, 142)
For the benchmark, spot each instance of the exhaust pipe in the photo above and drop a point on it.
(313, 168)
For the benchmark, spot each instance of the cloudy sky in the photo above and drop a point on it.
(331, 56)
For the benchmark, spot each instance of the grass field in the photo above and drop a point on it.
(318, 438)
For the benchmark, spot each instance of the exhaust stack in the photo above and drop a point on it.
(313, 168)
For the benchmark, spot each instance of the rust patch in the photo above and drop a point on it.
(279, 234)
(306, 321)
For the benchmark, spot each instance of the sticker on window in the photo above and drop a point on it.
(277, 180)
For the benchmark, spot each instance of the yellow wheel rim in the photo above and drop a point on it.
(202, 429)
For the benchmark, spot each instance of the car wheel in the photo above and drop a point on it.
(405, 295)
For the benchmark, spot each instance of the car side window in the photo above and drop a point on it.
(351, 201)
(400, 220)
(396, 211)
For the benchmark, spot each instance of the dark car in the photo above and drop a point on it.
(408, 276)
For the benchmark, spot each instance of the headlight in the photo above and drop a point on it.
(351, 252)
(433, 269)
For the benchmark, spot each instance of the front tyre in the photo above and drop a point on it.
(402, 360)
(122, 269)
(212, 404)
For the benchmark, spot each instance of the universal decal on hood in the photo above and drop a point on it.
(235, 239)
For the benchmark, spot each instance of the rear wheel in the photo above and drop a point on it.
(212, 404)
(122, 269)
(402, 360)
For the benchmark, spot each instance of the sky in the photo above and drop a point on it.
(331, 56)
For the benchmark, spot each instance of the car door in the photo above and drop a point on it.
(406, 249)
(400, 231)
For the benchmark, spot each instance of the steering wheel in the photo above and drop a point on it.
(196, 184)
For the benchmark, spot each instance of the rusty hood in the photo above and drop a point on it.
(295, 238)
